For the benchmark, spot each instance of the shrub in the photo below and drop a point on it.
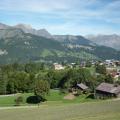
(18, 100)
(34, 99)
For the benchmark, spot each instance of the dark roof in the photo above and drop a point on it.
(82, 86)
(110, 88)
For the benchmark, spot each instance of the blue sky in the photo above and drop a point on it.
(64, 16)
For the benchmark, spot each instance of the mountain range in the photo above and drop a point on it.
(22, 43)
(106, 40)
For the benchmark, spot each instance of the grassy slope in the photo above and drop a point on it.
(107, 110)
(55, 97)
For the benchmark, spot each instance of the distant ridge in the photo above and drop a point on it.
(106, 40)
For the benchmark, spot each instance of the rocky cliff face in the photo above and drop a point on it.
(29, 29)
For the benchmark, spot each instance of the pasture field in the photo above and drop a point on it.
(52, 98)
(103, 110)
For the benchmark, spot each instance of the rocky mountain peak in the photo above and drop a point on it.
(3, 26)
(23, 26)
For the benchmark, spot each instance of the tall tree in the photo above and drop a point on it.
(41, 88)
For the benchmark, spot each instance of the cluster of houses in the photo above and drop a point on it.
(102, 91)
(112, 63)
(111, 67)
(107, 63)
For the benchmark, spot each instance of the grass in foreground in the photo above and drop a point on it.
(105, 110)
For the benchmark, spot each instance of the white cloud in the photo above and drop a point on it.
(46, 5)
(34, 5)
(76, 15)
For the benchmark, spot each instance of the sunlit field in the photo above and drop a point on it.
(104, 110)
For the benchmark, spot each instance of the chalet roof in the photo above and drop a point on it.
(82, 86)
(110, 88)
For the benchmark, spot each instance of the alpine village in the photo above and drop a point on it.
(59, 59)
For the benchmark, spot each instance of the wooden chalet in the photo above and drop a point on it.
(80, 88)
(106, 90)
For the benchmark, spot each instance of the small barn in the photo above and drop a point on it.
(80, 88)
(107, 90)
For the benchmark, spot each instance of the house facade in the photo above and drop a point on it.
(58, 66)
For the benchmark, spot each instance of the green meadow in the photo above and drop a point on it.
(103, 110)
(56, 108)
(54, 97)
